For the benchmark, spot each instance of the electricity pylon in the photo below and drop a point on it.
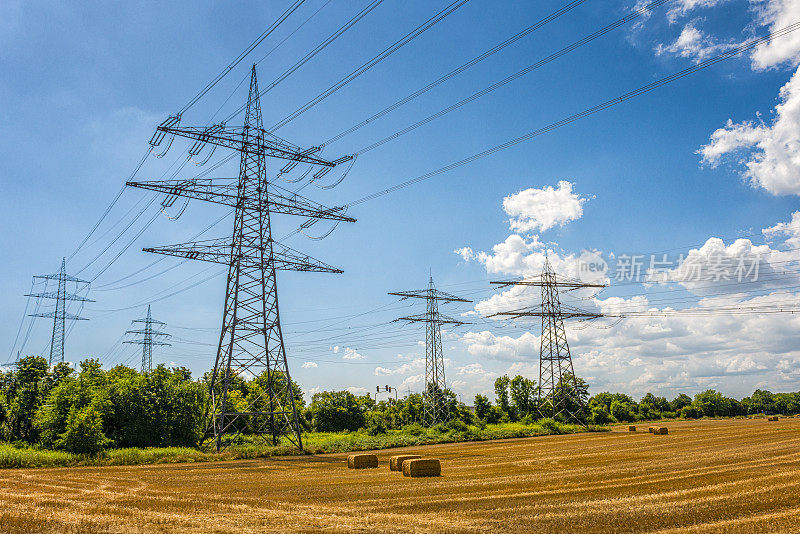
(251, 342)
(558, 386)
(435, 408)
(149, 338)
(60, 315)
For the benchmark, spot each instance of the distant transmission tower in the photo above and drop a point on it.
(60, 315)
(434, 407)
(251, 341)
(558, 386)
(149, 338)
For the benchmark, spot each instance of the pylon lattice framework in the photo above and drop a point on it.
(251, 341)
(149, 338)
(556, 397)
(435, 408)
(60, 314)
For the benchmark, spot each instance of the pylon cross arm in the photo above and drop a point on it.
(426, 318)
(53, 314)
(252, 140)
(55, 295)
(220, 251)
(223, 191)
(429, 295)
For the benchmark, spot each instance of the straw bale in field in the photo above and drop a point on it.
(651, 429)
(422, 467)
(660, 430)
(772, 418)
(362, 461)
(396, 462)
(631, 428)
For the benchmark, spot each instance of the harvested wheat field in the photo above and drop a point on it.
(707, 476)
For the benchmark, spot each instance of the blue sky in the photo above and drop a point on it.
(84, 87)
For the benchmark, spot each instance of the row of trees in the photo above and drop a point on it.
(92, 408)
(89, 409)
(608, 407)
(517, 400)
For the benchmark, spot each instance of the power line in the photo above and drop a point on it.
(410, 36)
(291, 9)
(305, 59)
(110, 206)
(22, 322)
(515, 76)
(474, 61)
(585, 113)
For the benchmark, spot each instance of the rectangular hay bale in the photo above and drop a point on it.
(396, 462)
(422, 467)
(631, 428)
(772, 418)
(652, 429)
(660, 430)
(362, 461)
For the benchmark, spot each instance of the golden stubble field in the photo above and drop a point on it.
(706, 476)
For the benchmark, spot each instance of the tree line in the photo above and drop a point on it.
(88, 409)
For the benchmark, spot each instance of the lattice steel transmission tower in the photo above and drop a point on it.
(149, 338)
(558, 386)
(251, 342)
(59, 314)
(435, 408)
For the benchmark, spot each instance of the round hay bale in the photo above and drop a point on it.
(631, 428)
(362, 461)
(660, 430)
(422, 467)
(396, 462)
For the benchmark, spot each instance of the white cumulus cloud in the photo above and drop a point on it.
(693, 44)
(309, 365)
(771, 151)
(534, 210)
(682, 7)
(404, 369)
(777, 14)
(488, 345)
(347, 353)
(789, 229)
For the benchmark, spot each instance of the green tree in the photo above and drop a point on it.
(623, 411)
(603, 399)
(655, 404)
(84, 432)
(482, 407)
(679, 402)
(786, 403)
(572, 393)
(501, 385)
(600, 415)
(691, 412)
(761, 401)
(27, 389)
(713, 403)
(334, 411)
(523, 396)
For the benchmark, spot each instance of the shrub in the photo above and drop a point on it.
(600, 415)
(623, 411)
(415, 429)
(84, 434)
(550, 425)
(456, 425)
(376, 424)
(529, 419)
(691, 412)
